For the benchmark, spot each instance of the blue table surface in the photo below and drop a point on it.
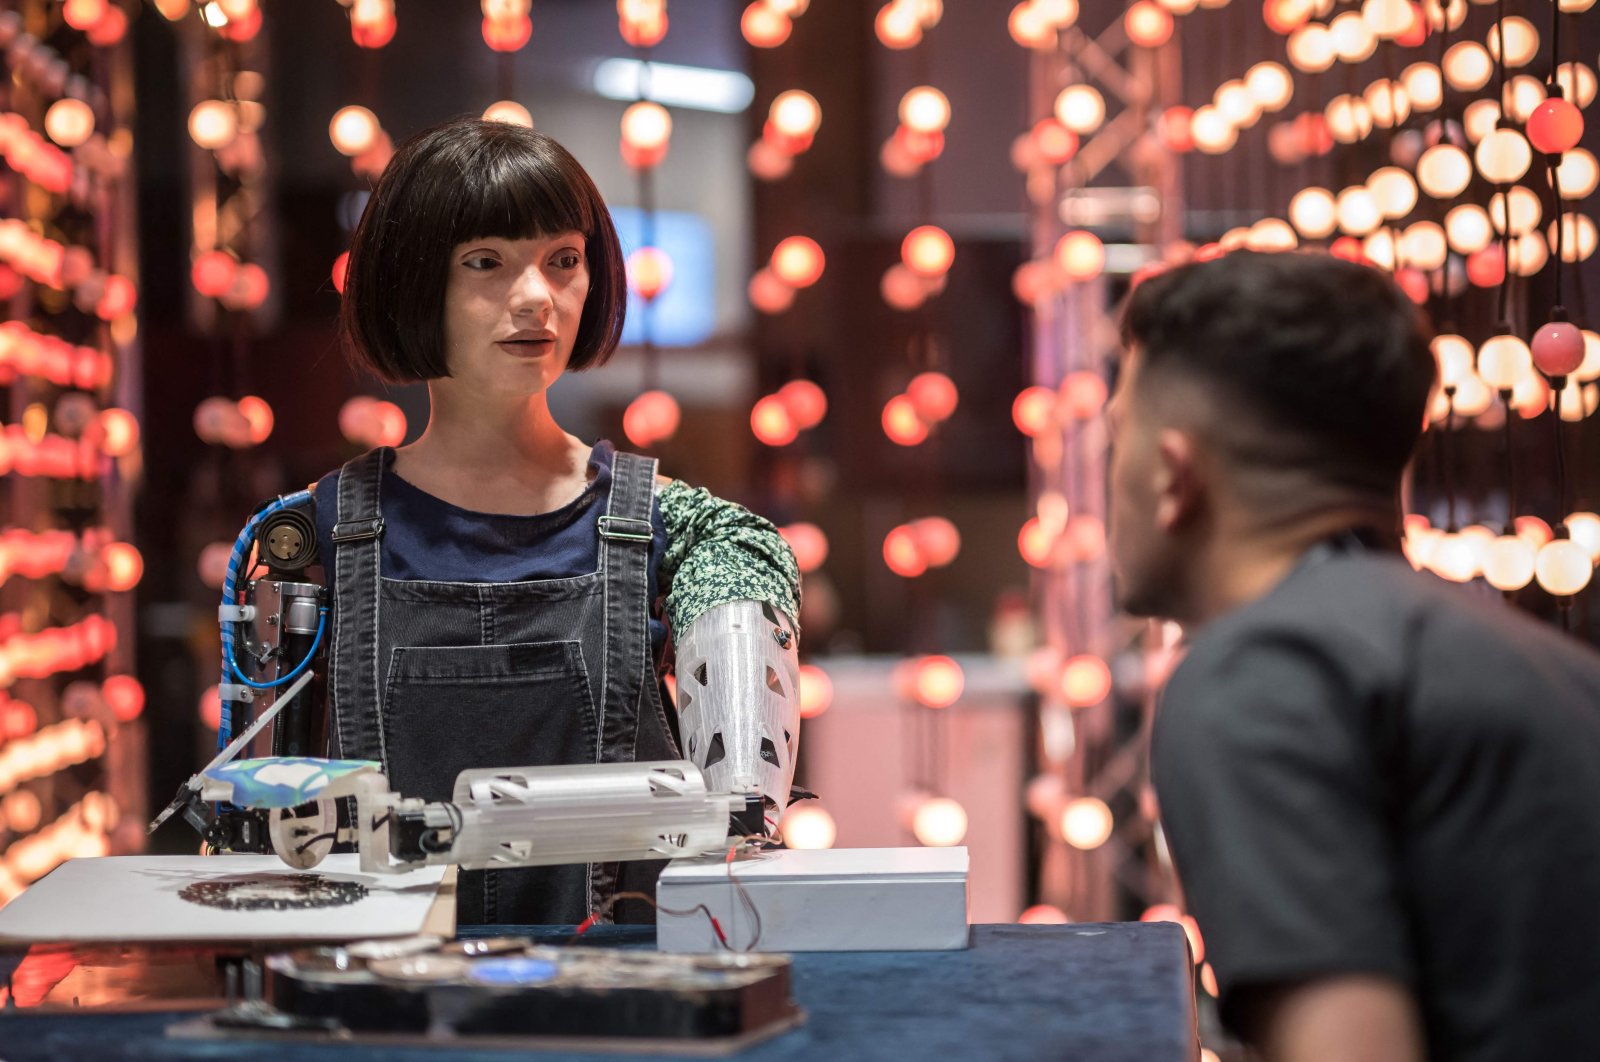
(1093, 992)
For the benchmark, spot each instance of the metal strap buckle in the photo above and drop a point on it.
(357, 530)
(631, 533)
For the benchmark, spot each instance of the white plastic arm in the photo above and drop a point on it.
(738, 673)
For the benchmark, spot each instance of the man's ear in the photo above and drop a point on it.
(1179, 480)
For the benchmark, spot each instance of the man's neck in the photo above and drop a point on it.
(1242, 565)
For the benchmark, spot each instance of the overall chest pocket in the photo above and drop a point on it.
(450, 708)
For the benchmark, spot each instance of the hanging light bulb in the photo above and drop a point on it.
(795, 114)
(1522, 96)
(1503, 360)
(1467, 66)
(1503, 156)
(1522, 40)
(1313, 212)
(1349, 120)
(1353, 41)
(1270, 84)
(1212, 133)
(1527, 254)
(1509, 563)
(1554, 126)
(1444, 171)
(1424, 86)
(1311, 48)
(1148, 25)
(1271, 234)
(1393, 190)
(925, 110)
(1387, 102)
(1557, 348)
(1526, 211)
(1578, 237)
(1423, 245)
(1578, 83)
(1479, 119)
(1578, 174)
(1468, 229)
(1080, 108)
(1562, 567)
(1358, 211)
(1473, 397)
(1454, 356)
(213, 124)
(1236, 103)
(1387, 19)
(1080, 255)
(1379, 249)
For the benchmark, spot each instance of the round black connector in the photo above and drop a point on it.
(287, 540)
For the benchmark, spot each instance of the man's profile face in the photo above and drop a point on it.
(1140, 549)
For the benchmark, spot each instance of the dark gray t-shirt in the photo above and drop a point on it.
(1371, 771)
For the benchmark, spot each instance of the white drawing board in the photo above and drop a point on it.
(142, 898)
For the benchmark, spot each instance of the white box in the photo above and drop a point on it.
(836, 899)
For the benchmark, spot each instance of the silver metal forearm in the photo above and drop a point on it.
(738, 673)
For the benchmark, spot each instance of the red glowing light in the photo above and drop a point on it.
(213, 272)
(211, 708)
(649, 271)
(1348, 248)
(937, 540)
(902, 554)
(249, 289)
(806, 402)
(768, 293)
(507, 34)
(771, 422)
(120, 430)
(928, 251)
(920, 146)
(937, 681)
(1416, 31)
(373, 34)
(1557, 348)
(125, 696)
(651, 418)
(258, 415)
(1487, 268)
(1085, 536)
(1176, 126)
(340, 264)
(1042, 914)
(243, 29)
(901, 423)
(764, 27)
(1083, 395)
(118, 300)
(81, 14)
(110, 28)
(1036, 544)
(124, 566)
(390, 424)
(1032, 409)
(798, 261)
(1148, 24)
(1085, 681)
(1555, 126)
(1053, 142)
(1414, 282)
(816, 691)
(645, 31)
(933, 395)
(809, 543)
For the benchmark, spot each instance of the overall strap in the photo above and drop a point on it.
(353, 658)
(625, 534)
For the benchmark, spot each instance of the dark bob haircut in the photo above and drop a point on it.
(1326, 361)
(464, 180)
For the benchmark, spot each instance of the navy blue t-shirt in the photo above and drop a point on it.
(426, 538)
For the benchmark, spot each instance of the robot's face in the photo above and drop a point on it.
(512, 310)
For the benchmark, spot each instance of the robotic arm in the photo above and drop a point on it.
(738, 675)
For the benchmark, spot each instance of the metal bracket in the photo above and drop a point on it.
(235, 613)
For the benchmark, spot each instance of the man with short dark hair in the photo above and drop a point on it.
(1382, 795)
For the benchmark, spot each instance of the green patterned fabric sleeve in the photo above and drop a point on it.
(719, 552)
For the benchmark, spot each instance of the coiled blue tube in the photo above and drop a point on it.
(241, 550)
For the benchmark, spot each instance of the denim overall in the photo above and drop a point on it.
(433, 678)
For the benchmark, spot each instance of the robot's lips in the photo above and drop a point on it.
(527, 348)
